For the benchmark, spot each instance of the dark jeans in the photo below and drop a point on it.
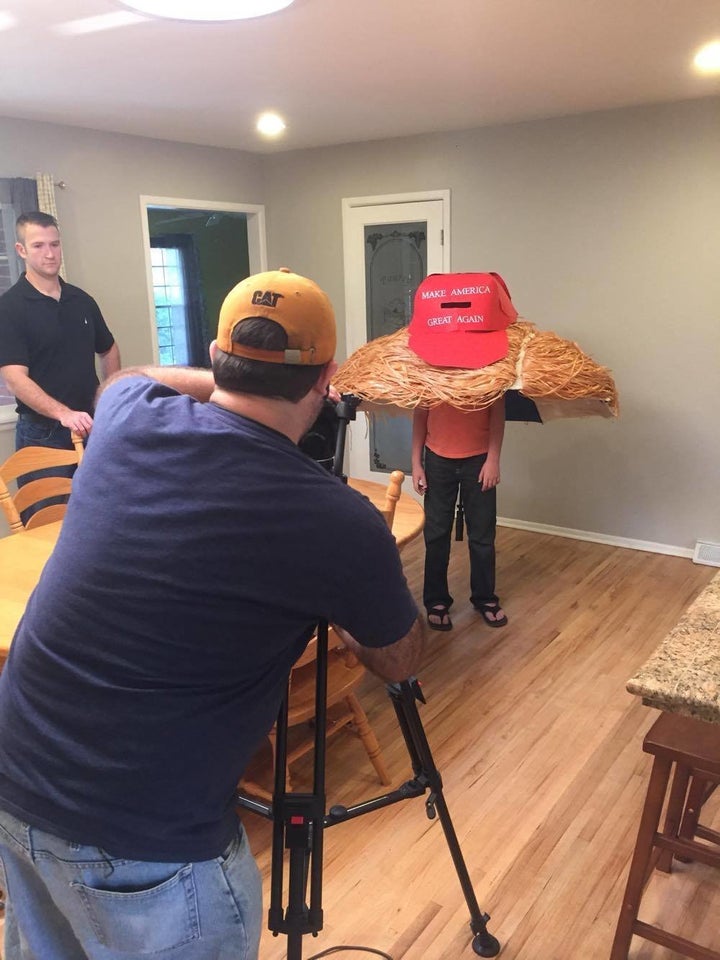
(35, 431)
(445, 478)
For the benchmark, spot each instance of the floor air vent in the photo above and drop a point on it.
(708, 553)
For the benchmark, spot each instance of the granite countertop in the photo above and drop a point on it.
(683, 675)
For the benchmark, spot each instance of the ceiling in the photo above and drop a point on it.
(347, 70)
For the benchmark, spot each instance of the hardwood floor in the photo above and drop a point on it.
(539, 746)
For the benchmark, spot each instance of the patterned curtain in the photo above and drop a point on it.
(17, 195)
(46, 201)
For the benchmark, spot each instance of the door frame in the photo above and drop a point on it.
(257, 241)
(389, 199)
(354, 279)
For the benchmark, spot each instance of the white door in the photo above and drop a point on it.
(390, 245)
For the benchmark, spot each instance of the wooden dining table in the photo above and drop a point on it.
(22, 558)
(23, 555)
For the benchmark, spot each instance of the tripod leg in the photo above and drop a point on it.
(296, 915)
(298, 822)
(404, 697)
(275, 913)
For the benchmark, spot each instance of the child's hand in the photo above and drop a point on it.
(419, 481)
(489, 476)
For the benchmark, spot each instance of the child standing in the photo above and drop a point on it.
(455, 450)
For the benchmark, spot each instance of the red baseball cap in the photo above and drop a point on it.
(460, 319)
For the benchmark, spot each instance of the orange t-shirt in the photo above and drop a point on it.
(457, 433)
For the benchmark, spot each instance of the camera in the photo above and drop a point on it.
(321, 441)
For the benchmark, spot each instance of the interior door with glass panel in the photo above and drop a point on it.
(388, 248)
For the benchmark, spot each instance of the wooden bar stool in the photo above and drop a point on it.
(694, 748)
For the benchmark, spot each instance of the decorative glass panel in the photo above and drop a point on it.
(395, 263)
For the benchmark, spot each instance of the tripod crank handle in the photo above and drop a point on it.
(412, 685)
(430, 809)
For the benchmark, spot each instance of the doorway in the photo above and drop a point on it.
(195, 253)
(390, 244)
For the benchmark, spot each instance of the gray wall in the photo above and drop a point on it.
(607, 228)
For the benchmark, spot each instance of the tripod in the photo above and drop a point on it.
(299, 819)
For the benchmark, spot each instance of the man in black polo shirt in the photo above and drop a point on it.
(50, 332)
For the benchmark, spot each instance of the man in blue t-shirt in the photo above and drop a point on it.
(199, 549)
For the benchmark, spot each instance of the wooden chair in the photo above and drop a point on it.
(28, 460)
(693, 748)
(344, 710)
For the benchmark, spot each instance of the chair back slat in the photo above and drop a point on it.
(42, 489)
(56, 511)
(29, 459)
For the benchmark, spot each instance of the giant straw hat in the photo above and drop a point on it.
(553, 373)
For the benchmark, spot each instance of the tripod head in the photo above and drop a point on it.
(345, 411)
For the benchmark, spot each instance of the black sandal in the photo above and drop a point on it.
(441, 612)
(493, 606)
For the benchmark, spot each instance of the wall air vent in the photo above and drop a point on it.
(708, 553)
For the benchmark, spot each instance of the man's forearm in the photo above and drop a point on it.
(394, 663)
(32, 395)
(194, 381)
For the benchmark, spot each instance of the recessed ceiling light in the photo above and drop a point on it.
(207, 9)
(707, 59)
(270, 125)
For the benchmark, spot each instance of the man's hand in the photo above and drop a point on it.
(77, 421)
(489, 475)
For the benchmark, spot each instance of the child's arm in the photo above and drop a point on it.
(419, 433)
(489, 476)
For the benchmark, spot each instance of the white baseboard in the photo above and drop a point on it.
(647, 545)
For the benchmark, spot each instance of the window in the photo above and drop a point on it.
(180, 328)
(171, 305)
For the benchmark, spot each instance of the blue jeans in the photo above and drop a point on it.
(32, 432)
(66, 901)
(445, 478)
